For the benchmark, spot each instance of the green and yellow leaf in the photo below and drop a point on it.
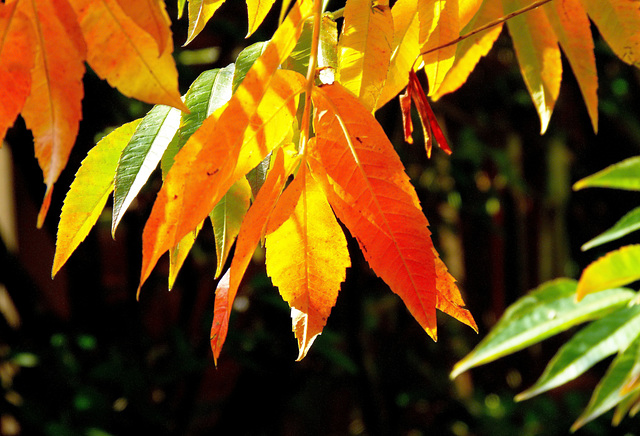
(617, 268)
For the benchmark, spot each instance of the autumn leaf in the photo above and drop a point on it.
(370, 193)
(364, 49)
(53, 109)
(251, 230)
(470, 50)
(256, 119)
(127, 56)
(617, 268)
(439, 24)
(178, 254)
(200, 11)
(257, 10)
(17, 44)
(538, 54)
(89, 192)
(151, 16)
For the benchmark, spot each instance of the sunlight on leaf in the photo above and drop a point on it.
(89, 192)
(151, 16)
(621, 175)
(200, 12)
(617, 268)
(257, 10)
(627, 224)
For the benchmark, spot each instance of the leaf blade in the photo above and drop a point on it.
(629, 223)
(616, 268)
(621, 175)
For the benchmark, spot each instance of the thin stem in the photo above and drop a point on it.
(311, 75)
(500, 20)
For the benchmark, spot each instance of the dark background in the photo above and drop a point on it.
(87, 359)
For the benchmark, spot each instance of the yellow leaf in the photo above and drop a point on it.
(538, 54)
(17, 45)
(364, 49)
(151, 16)
(307, 258)
(227, 146)
(179, 253)
(89, 192)
(127, 56)
(617, 268)
(439, 24)
(472, 49)
(257, 10)
(572, 27)
(200, 11)
(53, 109)
(405, 49)
(618, 22)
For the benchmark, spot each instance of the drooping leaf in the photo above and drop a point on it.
(307, 257)
(17, 54)
(89, 192)
(627, 224)
(544, 312)
(617, 268)
(53, 109)
(181, 4)
(257, 10)
(439, 24)
(536, 47)
(209, 92)
(598, 340)
(624, 407)
(151, 16)
(200, 11)
(368, 189)
(226, 218)
(364, 49)
(571, 25)
(127, 56)
(141, 157)
(251, 230)
(610, 390)
(404, 51)
(622, 175)
(178, 254)
(618, 22)
(226, 147)
(469, 51)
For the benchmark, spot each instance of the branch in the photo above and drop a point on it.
(488, 26)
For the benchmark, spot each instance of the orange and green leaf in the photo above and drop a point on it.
(53, 109)
(89, 192)
(371, 194)
(364, 49)
(226, 147)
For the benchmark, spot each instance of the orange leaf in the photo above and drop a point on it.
(368, 189)
(538, 54)
(572, 27)
(17, 54)
(227, 146)
(470, 50)
(307, 257)
(127, 56)
(53, 109)
(439, 24)
(364, 49)
(151, 16)
(251, 231)
(200, 11)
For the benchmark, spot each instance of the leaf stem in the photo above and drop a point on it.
(311, 76)
(494, 23)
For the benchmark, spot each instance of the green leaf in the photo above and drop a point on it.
(210, 91)
(610, 391)
(227, 217)
(624, 406)
(546, 311)
(89, 192)
(245, 61)
(627, 224)
(590, 345)
(141, 157)
(616, 268)
(622, 175)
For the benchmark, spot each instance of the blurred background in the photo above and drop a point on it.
(80, 356)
